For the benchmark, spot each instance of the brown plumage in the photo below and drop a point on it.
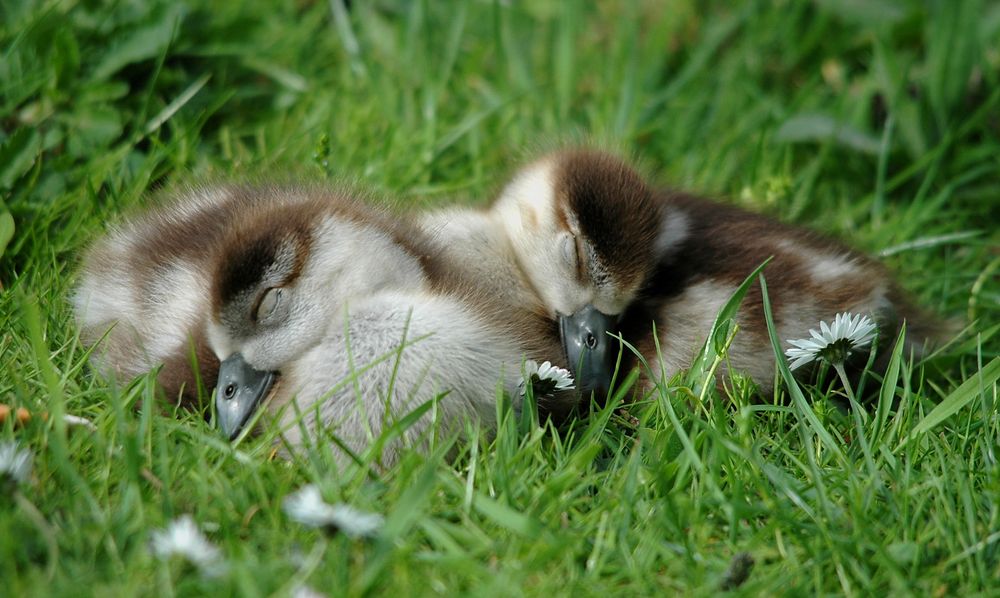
(156, 280)
(810, 278)
(320, 300)
(144, 286)
(671, 258)
(623, 231)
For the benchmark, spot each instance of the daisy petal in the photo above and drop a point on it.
(833, 343)
(15, 464)
(183, 538)
(308, 508)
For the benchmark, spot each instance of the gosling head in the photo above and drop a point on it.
(283, 274)
(588, 232)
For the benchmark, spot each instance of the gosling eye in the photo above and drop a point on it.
(567, 246)
(268, 303)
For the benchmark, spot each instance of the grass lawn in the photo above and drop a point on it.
(878, 122)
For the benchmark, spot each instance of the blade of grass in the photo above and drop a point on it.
(954, 402)
(798, 399)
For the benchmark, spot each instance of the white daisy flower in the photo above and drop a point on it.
(546, 378)
(833, 343)
(182, 537)
(76, 420)
(15, 465)
(308, 508)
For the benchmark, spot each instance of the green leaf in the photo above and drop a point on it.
(412, 503)
(176, 104)
(410, 507)
(960, 397)
(889, 382)
(92, 125)
(6, 228)
(890, 74)
(929, 242)
(404, 423)
(17, 155)
(721, 328)
(867, 12)
(141, 44)
(505, 516)
(952, 53)
(820, 128)
(798, 398)
(904, 553)
(969, 345)
(283, 76)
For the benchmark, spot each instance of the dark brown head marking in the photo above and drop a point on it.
(615, 208)
(245, 269)
(273, 255)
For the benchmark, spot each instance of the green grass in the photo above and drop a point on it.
(873, 121)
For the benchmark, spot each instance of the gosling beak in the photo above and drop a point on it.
(588, 348)
(238, 392)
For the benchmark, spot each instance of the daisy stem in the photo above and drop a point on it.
(847, 384)
(857, 412)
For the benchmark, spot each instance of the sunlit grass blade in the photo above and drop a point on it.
(802, 406)
(721, 331)
(974, 387)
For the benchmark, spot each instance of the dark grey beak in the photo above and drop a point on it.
(238, 392)
(589, 349)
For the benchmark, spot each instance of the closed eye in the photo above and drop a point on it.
(568, 249)
(269, 301)
(583, 258)
(574, 255)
